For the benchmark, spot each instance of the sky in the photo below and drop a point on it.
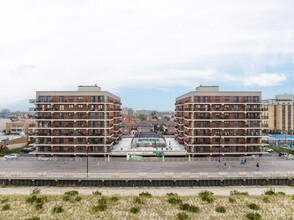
(147, 52)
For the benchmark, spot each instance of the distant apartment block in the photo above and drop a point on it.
(20, 126)
(209, 121)
(280, 112)
(76, 122)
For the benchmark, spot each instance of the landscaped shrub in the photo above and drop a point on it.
(145, 194)
(270, 192)
(138, 200)
(31, 199)
(174, 200)
(36, 191)
(184, 206)
(237, 193)
(172, 194)
(4, 200)
(97, 193)
(6, 207)
(206, 196)
(135, 210)
(194, 209)
(72, 193)
(231, 200)
(102, 201)
(100, 208)
(57, 209)
(220, 209)
(182, 216)
(281, 193)
(253, 216)
(266, 200)
(39, 206)
(114, 199)
(33, 218)
(78, 198)
(253, 206)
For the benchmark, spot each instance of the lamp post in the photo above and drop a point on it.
(220, 136)
(87, 160)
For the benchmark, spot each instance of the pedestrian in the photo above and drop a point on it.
(225, 165)
(257, 166)
(245, 160)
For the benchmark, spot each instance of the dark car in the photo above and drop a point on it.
(28, 149)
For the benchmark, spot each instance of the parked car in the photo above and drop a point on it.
(28, 149)
(45, 158)
(11, 156)
(269, 150)
(283, 154)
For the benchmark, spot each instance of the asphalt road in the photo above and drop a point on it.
(76, 166)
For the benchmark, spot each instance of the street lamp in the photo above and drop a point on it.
(87, 160)
(220, 136)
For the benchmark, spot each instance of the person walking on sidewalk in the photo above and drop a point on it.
(257, 166)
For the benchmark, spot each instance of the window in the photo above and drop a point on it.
(236, 124)
(255, 99)
(100, 115)
(217, 115)
(80, 148)
(80, 107)
(197, 124)
(227, 124)
(100, 149)
(49, 98)
(61, 149)
(92, 107)
(92, 115)
(61, 124)
(100, 124)
(217, 132)
(70, 99)
(70, 140)
(227, 99)
(70, 115)
(100, 99)
(236, 99)
(92, 124)
(217, 124)
(227, 115)
(42, 99)
(205, 116)
(217, 99)
(205, 124)
(227, 140)
(70, 107)
(42, 148)
(236, 107)
(205, 99)
(197, 98)
(197, 107)
(92, 99)
(248, 99)
(49, 148)
(80, 99)
(81, 115)
(61, 140)
(217, 107)
(80, 140)
(61, 107)
(236, 115)
(61, 115)
(236, 140)
(255, 124)
(205, 107)
(92, 148)
(80, 124)
(61, 98)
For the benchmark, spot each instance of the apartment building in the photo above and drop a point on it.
(280, 113)
(76, 122)
(209, 121)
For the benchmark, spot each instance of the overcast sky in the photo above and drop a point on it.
(147, 52)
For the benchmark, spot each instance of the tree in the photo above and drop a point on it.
(167, 118)
(142, 117)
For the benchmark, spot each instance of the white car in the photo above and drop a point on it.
(12, 156)
(45, 158)
(269, 150)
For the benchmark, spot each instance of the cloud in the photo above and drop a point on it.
(265, 79)
(156, 44)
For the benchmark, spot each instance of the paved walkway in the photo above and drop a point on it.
(254, 190)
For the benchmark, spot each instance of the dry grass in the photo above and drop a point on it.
(156, 207)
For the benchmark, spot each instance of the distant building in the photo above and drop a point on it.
(169, 127)
(20, 126)
(126, 127)
(3, 122)
(280, 113)
(127, 111)
(144, 126)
